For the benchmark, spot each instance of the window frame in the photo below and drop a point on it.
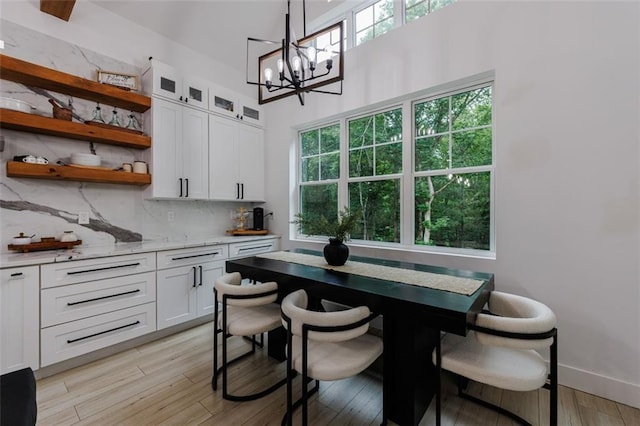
(409, 174)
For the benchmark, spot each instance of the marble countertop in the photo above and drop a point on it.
(10, 260)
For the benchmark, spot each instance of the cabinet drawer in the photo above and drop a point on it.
(68, 340)
(77, 301)
(191, 256)
(251, 248)
(96, 269)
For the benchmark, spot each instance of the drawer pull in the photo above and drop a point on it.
(241, 249)
(103, 297)
(16, 274)
(103, 269)
(102, 332)
(195, 255)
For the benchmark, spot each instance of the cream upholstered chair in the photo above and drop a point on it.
(501, 351)
(242, 310)
(324, 346)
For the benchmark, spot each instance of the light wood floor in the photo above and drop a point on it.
(168, 382)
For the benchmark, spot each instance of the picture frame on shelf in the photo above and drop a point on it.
(123, 81)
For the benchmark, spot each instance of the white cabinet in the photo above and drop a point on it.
(19, 319)
(91, 304)
(164, 80)
(185, 280)
(179, 156)
(236, 160)
(234, 105)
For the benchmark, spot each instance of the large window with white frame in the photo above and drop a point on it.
(319, 167)
(375, 172)
(453, 168)
(443, 202)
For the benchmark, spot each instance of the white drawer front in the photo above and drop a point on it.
(252, 248)
(72, 272)
(77, 301)
(68, 340)
(191, 256)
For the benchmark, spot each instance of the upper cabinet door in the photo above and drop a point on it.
(162, 80)
(195, 92)
(167, 154)
(223, 101)
(195, 149)
(250, 111)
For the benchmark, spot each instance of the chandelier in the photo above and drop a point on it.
(299, 66)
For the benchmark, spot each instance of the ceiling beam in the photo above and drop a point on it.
(59, 8)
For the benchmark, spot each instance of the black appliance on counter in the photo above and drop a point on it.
(258, 218)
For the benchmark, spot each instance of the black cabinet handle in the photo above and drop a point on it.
(253, 248)
(180, 179)
(200, 275)
(195, 271)
(187, 182)
(242, 186)
(103, 297)
(102, 332)
(106, 268)
(195, 255)
(180, 97)
(16, 274)
(186, 99)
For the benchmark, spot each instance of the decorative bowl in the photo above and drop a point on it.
(83, 159)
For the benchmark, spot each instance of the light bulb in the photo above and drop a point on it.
(311, 54)
(268, 74)
(280, 65)
(296, 63)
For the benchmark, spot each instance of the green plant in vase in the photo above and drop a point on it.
(339, 230)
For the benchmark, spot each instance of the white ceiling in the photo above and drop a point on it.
(219, 28)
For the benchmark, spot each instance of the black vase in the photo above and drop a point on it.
(336, 252)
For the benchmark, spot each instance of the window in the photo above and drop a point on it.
(414, 9)
(319, 171)
(330, 42)
(453, 164)
(432, 189)
(377, 18)
(373, 21)
(375, 169)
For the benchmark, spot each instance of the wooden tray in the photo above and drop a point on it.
(109, 126)
(247, 232)
(47, 245)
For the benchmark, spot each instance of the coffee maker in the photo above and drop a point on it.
(258, 218)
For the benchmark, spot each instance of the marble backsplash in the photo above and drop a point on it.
(118, 213)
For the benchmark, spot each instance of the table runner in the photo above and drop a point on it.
(466, 286)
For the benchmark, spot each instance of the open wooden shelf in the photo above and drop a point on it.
(22, 121)
(55, 172)
(36, 75)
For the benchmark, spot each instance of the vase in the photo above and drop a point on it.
(336, 252)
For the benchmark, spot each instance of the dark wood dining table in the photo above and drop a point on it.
(413, 318)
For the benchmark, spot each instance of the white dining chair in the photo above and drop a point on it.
(324, 346)
(247, 311)
(501, 351)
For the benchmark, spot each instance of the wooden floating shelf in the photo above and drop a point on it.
(29, 74)
(55, 172)
(44, 245)
(238, 232)
(16, 120)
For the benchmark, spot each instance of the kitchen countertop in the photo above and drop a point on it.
(10, 260)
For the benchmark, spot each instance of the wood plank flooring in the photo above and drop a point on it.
(168, 382)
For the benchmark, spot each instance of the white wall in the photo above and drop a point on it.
(567, 149)
(567, 160)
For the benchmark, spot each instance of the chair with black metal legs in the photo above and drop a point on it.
(324, 346)
(501, 351)
(242, 310)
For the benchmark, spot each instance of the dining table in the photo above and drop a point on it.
(417, 302)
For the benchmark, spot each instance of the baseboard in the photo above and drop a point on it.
(602, 386)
